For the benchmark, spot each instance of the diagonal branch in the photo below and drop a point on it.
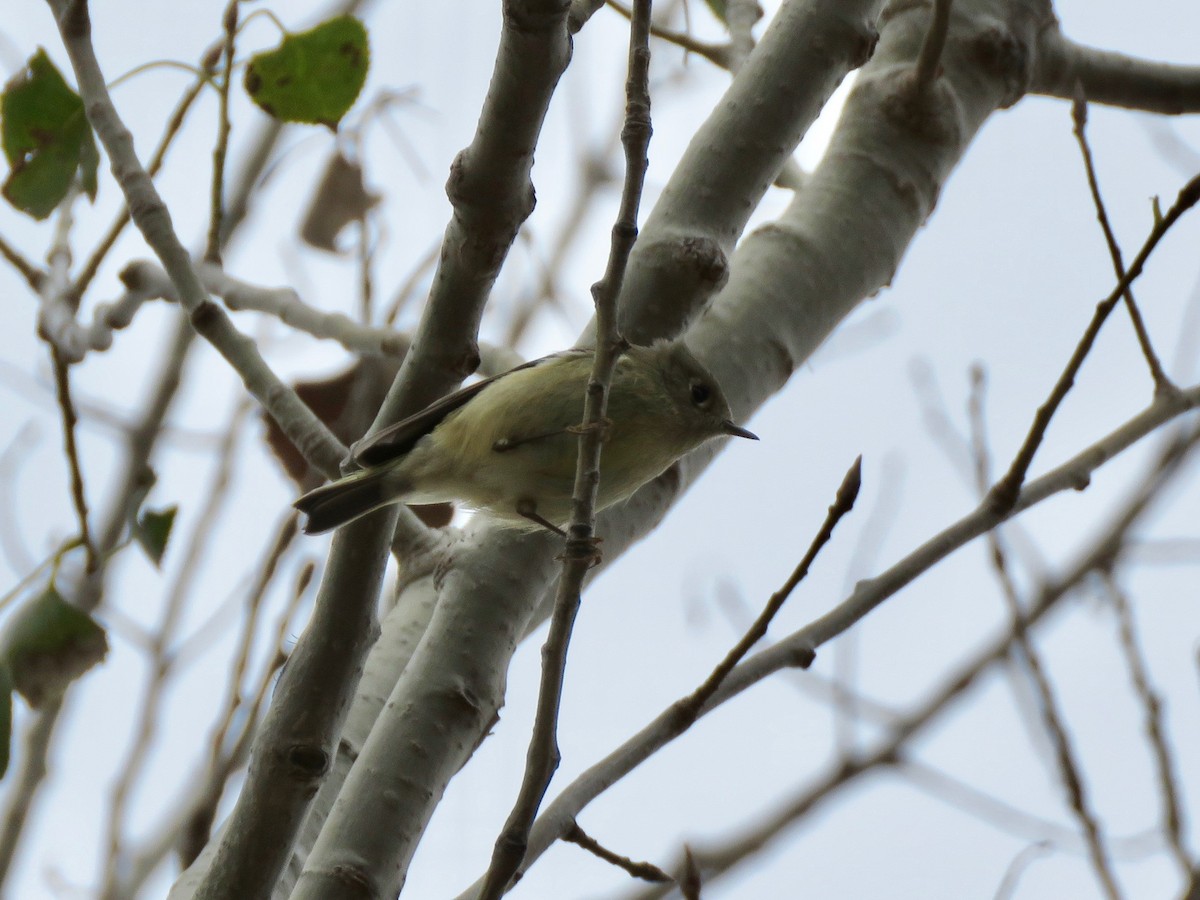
(1113, 79)
(868, 594)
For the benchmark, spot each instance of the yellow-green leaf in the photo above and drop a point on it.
(46, 139)
(153, 529)
(46, 644)
(312, 77)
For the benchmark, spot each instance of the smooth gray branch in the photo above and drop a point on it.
(1113, 79)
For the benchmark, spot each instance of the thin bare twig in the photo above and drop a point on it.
(187, 828)
(1004, 493)
(717, 54)
(957, 449)
(163, 660)
(284, 536)
(32, 274)
(1168, 779)
(934, 782)
(642, 870)
(212, 249)
(366, 258)
(53, 290)
(1000, 814)
(903, 732)
(543, 754)
(21, 793)
(848, 703)
(23, 790)
(595, 174)
(408, 288)
(142, 440)
(1016, 868)
(1079, 117)
(689, 708)
(70, 420)
(12, 537)
(1068, 765)
(223, 758)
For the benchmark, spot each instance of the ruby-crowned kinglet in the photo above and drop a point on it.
(508, 444)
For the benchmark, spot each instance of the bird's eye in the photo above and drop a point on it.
(701, 393)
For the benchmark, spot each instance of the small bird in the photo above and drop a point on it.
(508, 444)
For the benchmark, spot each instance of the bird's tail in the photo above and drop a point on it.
(346, 499)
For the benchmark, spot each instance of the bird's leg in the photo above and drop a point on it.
(589, 547)
(528, 509)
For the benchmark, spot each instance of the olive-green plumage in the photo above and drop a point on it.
(507, 444)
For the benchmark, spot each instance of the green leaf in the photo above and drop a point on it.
(5, 718)
(312, 77)
(153, 529)
(48, 643)
(46, 139)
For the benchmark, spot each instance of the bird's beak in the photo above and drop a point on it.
(735, 430)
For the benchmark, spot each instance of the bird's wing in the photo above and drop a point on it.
(396, 440)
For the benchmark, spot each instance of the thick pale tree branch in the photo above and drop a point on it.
(791, 283)
(681, 257)
(1113, 79)
(147, 280)
(386, 800)
(492, 194)
(831, 274)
